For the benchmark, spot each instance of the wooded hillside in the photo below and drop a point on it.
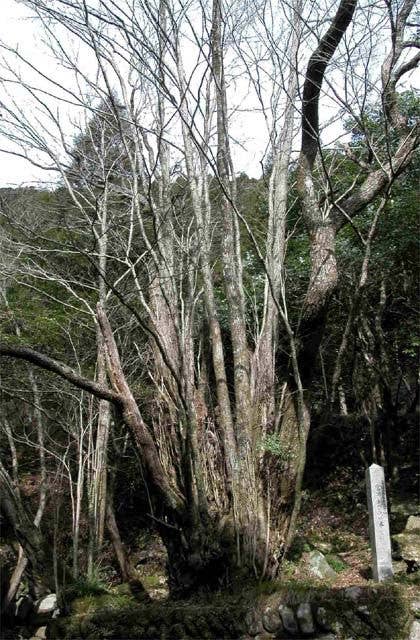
(178, 339)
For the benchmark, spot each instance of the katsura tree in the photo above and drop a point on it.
(223, 450)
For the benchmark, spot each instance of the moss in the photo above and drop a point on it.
(389, 611)
(90, 604)
(123, 589)
(151, 582)
(65, 628)
(380, 612)
(119, 616)
(300, 545)
(290, 591)
(266, 587)
(336, 562)
(340, 542)
(408, 578)
(116, 616)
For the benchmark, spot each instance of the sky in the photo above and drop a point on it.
(17, 30)
(247, 127)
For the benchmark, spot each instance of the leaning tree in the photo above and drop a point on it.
(154, 184)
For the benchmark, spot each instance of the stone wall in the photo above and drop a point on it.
(378, 612)
(355, 612)
(290, 611)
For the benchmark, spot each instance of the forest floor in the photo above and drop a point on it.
(333, 521)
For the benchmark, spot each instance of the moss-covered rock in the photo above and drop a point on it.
(407, 544)
(375, 612)
(117, 616)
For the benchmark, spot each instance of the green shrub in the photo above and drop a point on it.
(92, 585)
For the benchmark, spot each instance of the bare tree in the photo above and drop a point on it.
(223, 499)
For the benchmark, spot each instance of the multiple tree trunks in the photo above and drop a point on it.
(236, 511)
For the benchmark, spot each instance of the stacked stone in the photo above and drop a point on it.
(286, 621)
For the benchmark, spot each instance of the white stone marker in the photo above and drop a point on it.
(380, 539)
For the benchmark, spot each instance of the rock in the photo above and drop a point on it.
(321, 617)
(324, 547)
(338, 628)
(408, 544)
(23, 607)
(142, 558)
(253, 623)
(55, 614)
(153, 632)
(265, 636)
(415, 607)
(353, 593)
(288, 619)
(305, 620)
(47, 605)
(271, 620)
(399, 567)
(41, 633)
(408, 547)
(328, 620)
(319, 566)
(177, 631)
(357, 623)
(149, 556)
(415, 631)
(404, 508)
(413, 525)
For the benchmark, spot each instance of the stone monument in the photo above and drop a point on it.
(380, 539)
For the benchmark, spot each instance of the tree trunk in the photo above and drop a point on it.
(126, 569)
(15, 580)
(35, 547)
(98, 482)
(22, 561)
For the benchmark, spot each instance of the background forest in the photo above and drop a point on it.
(191, 355)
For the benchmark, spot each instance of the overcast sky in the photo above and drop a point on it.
(16, 29)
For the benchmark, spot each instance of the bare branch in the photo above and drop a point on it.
(61, 369)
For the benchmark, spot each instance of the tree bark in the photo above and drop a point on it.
(35, 548)
(126, 569)
(61, 369)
